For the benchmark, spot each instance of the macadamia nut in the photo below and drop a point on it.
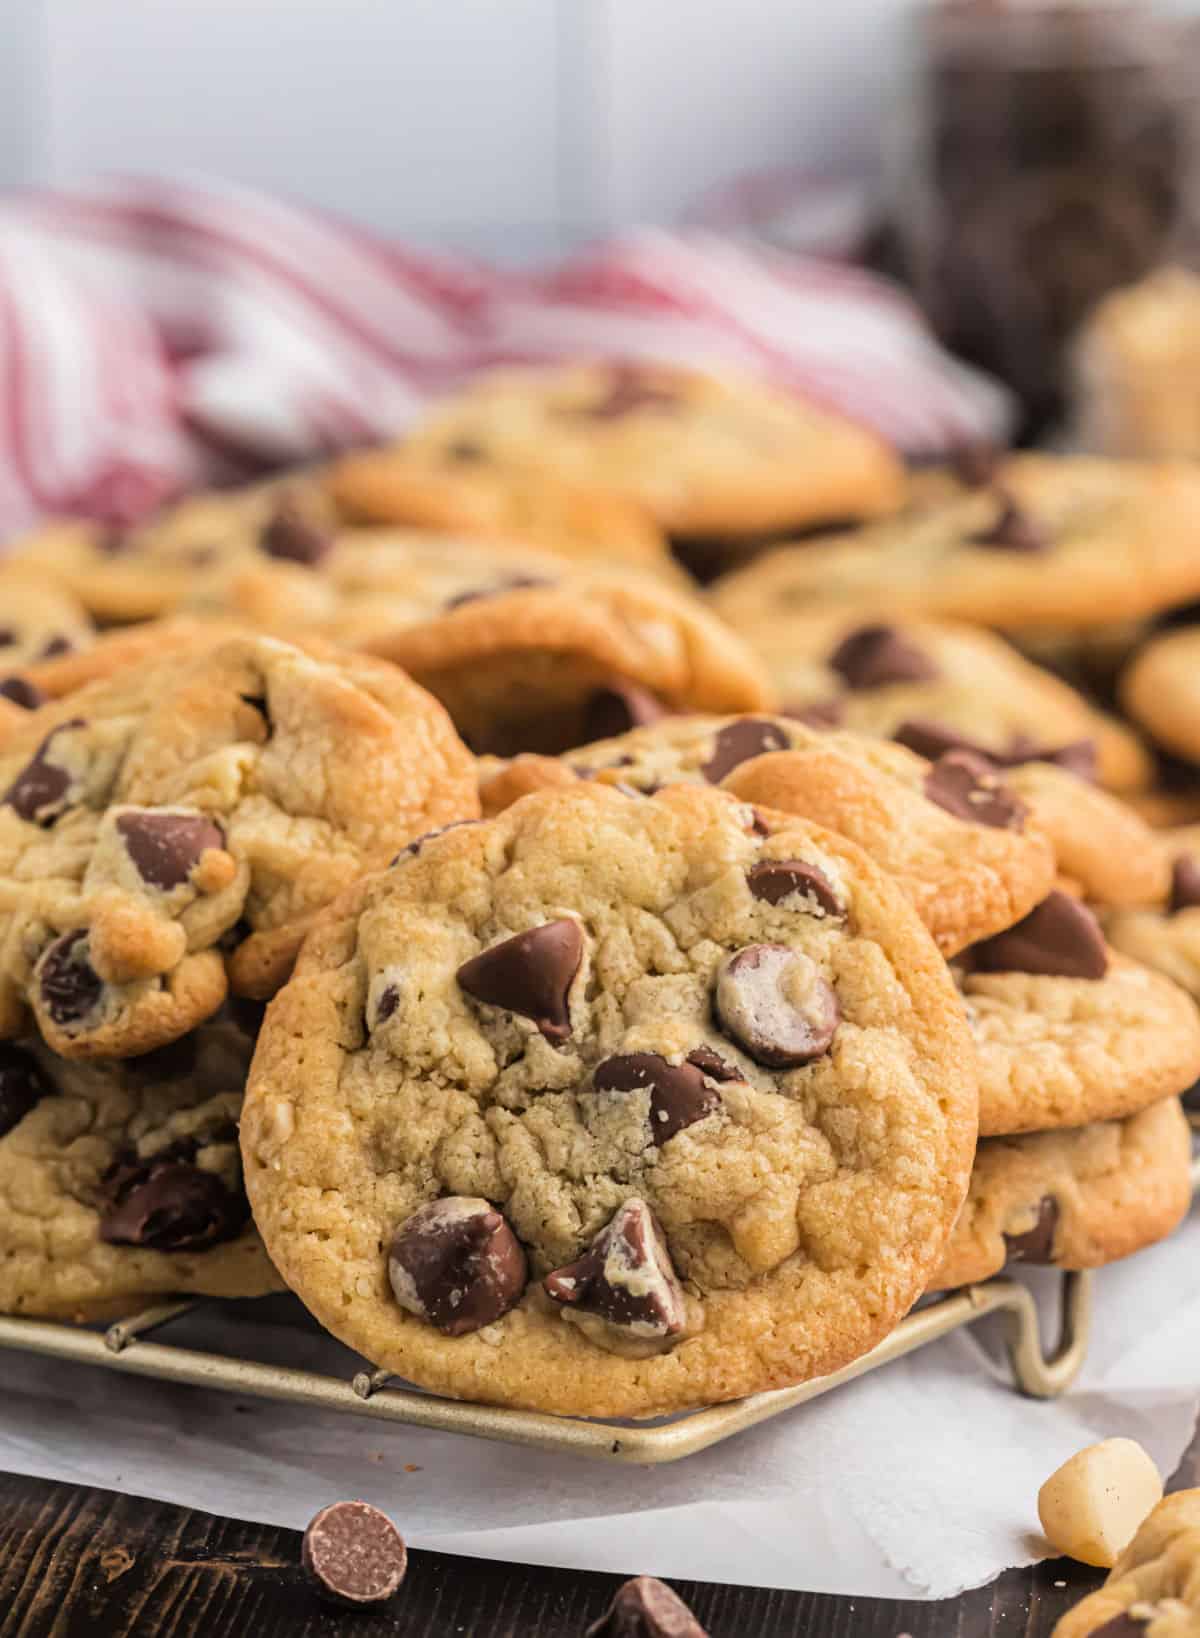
(1092, 1506)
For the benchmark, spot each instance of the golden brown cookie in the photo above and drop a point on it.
(1166, 935)
(1055, 540)
(704, 455)
(1106, 849)
(1160, 689)
(1153, 1590)
(1077, 1198)
(613, 1106)
(38, 621)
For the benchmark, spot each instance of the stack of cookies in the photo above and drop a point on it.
(628, 996)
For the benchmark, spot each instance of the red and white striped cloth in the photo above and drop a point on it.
(159, 335)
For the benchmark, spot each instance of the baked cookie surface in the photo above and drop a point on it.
(1153, 1590)
(1161, 690)
(703, 455)
(37, 621)
(611, 1106)
(1077, 1198)
(121, 1181)
(177, 811)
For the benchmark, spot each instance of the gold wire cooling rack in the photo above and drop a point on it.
(128, 1346)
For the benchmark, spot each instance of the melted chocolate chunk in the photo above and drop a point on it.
(874, 656)
(775, 1004)
(169, 1204)
(294, 538)
(22, 693)
(967, 786)
(354, 1555)
(1185, 884)
(625, 1277)
(774, 880)
(22, 1085)
(389, 1000)
(679, 1094)
(1036, 1244)
(1059, 938)
(738, 741)
(456, 1264)
(1013, 531)
(618, 708)
(713, 1065)
(646, 1608)
(42, 789)
(530, 974)
(167, 847)
(933, 739)
(70, 987)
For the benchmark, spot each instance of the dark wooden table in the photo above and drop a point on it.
(80, 1563)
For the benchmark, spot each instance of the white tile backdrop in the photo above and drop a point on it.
(509, 127)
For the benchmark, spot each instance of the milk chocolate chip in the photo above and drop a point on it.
(967, 786)
(42, 789)
(625, 1277)
(291, 536)
(169, 1204)
(456, 1264)
(1036, 1244)
(1059, 938)
(932, 739)
(530, 974)
(167, 847)
(679, 1094)
(777, 880)
(775, 1004)
(22, 693)
(820, 714)
(22, 1085)
(738, 741)
(646, 1608)
(1013, 531)
(618, 708)
(874, 656)
(1185, 884)
(69, 985)
(354, 1555)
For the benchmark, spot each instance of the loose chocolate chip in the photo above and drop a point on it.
(389, 1000)
(822, 714)
(1036, 1244)
(933, 739)
(713, 1065)
(21, 693)
(629, 388)
(354, 1554)
(679, 1095)
(22, 1085)
(167, 847)
(169, 1205)
(1013, 531)
(775, 1004)
(530, 974)
(874, 656)
(1185, 884)
(1060, 938)
(625, 1277)
(70, 987)
(774, 880)
(457, 1264)
(646, 1608)
(41, 790)
(55, 646)
(738, 741)
(509, 583)
(967, 786)
(618, 708)
(290, 536)
(1124, 1625)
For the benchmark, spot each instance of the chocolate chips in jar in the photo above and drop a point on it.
(1046, 161)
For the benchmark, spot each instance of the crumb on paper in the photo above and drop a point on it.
(411, 1467)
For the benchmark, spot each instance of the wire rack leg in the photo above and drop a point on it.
(1039, 1374)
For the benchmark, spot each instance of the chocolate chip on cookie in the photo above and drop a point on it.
(44, 787)
(456, 1264)
(530, 974)
(778, 881)
(625, 1277)
(679, 1093)
(740, 740)
(874, 656)
(1185, 884)
(627, 389)
(167, 847)
(69, 987)
(20, 692)
(1125, 1625)
(168, 1204)
(775, 1004)
(1036, 1243)
(646, 1608)
(291, 536)
(1061, 938)
(618, 708)
(1013, 531)
(354, 1555)
(22, 1085)
(967, 786)
(933, 739)
(506, 583)
(821, 714)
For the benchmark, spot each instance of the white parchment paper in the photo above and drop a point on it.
(917, 1481)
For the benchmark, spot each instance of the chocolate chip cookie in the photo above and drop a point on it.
(1161, 690)
(613, 1105)
(1066, 1030)
(1166, 936)
(180, 815)
(935, 685)
(121, 1181)
(703, 455)
(1077, 1198)
(1052, 541)
(37, 622)
(1153, 1590)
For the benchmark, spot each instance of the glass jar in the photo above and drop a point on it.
(1044, 158)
